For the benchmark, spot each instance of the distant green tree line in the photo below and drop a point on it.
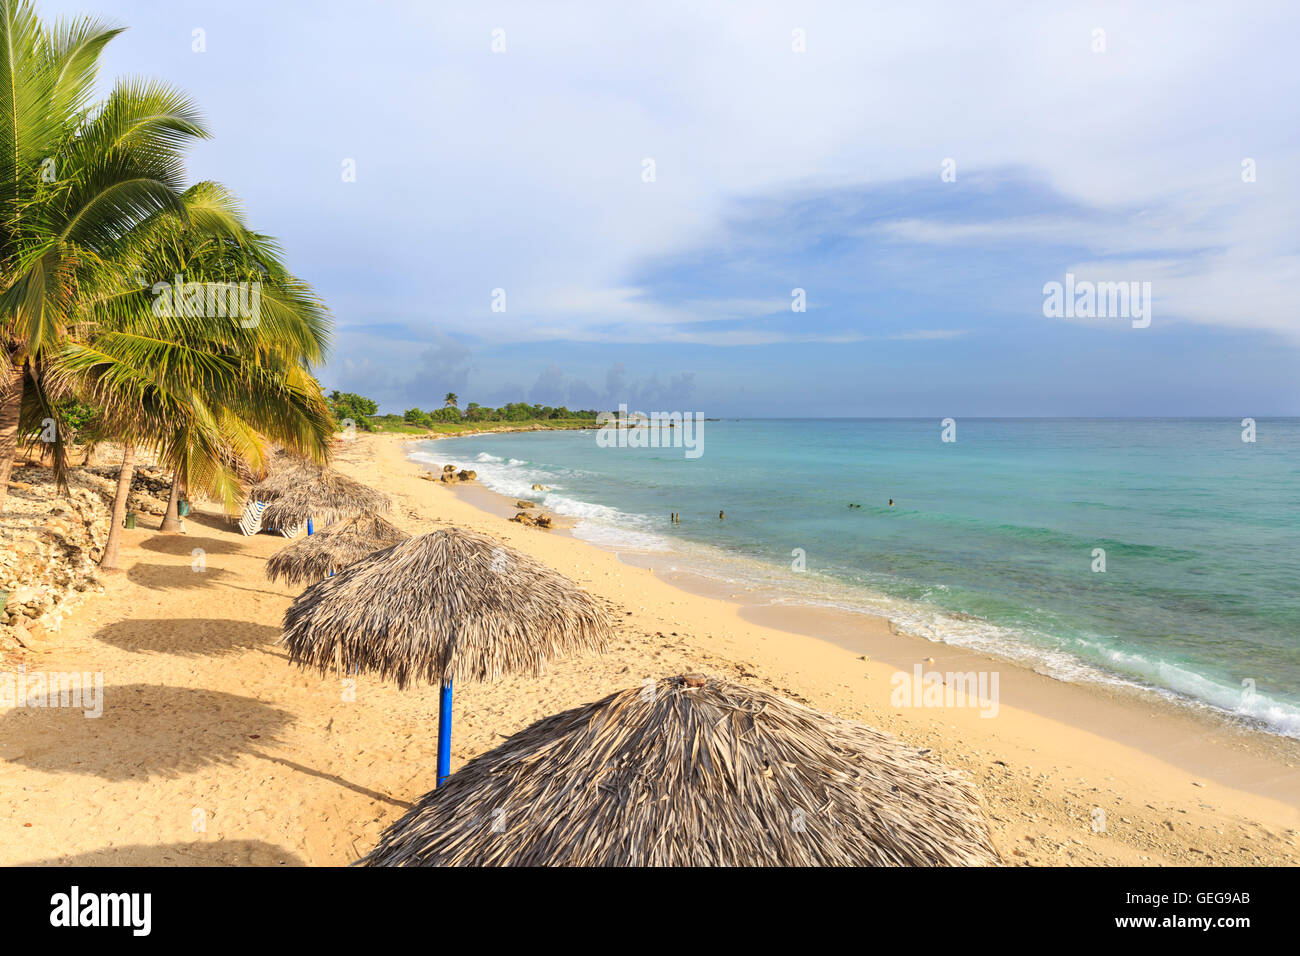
(365, 412)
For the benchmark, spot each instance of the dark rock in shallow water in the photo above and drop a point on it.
(533, 521)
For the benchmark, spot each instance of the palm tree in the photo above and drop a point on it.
(214, 244)
(204, 403)
(75, 177)
(451, 401)
(203, 388)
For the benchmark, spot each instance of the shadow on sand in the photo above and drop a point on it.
(336, 779)
(226, 526)
(199, 853)
(144, 731)
(188, 636)
(172, 577)
(229, 529)
(184, 544)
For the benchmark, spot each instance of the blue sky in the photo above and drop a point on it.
(774, 170)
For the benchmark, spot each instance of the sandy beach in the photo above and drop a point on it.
(213, 749)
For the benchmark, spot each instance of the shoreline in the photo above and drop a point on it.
(767, 604)
(213, 749)
(1230, 751)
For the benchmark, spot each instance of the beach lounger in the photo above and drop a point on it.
(250, 522)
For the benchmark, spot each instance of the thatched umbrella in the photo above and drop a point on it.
(322, 554)
(326, 496)
(695, 771)
(441, 607)
(283, 473)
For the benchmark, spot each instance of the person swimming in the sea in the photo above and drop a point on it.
(891, 502)
(721, 515)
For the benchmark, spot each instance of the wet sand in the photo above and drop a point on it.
(213, 749)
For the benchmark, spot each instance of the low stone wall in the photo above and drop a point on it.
(49, 547)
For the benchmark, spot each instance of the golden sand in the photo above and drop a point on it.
(213, 749)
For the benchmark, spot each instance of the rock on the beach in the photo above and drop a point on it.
(532, 521)
(147, 504)
(524, 504)
(540, 488)
(48, 547)
(451, 475)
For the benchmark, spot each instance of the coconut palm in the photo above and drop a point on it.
(203, 387)
(451, 400)
(75, 176)
(291, 326)
(190, 420)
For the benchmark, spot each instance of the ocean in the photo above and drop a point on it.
(1158, 553)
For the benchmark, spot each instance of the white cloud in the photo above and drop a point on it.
(925, 335)
(523, 170)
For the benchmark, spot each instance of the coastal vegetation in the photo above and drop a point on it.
(396, 424)
(363, 414)
(95, 218)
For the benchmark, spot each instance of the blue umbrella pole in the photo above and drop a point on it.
(309, 529)
(444, 734)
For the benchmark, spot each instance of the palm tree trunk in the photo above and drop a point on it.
(171, 521)
(11, 404)
(109, 561)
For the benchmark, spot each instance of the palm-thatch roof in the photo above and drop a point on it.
(451, 604)
(326, 552)
(284, 472)
(694, 771)
(324, 497)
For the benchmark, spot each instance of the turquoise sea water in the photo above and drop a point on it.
(991, 540)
